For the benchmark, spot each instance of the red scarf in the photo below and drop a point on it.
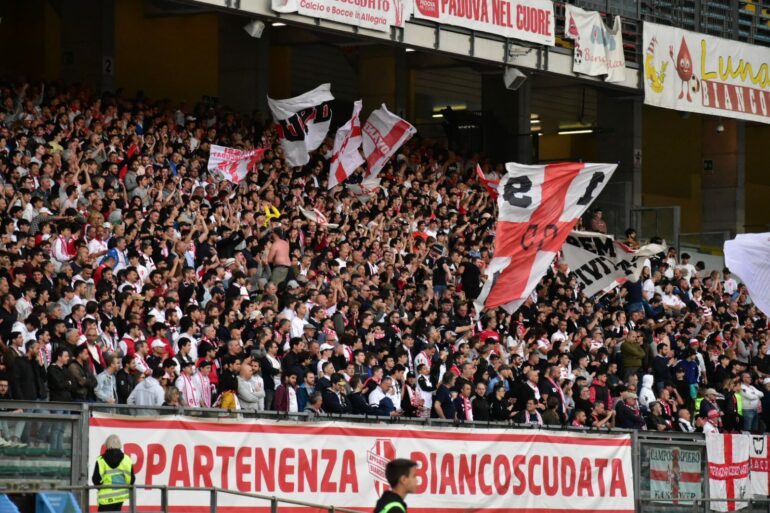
(189, 390)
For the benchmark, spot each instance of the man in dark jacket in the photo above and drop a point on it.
(61, 384)
(334, 400)
(401, 477)
(480, 404)
(28, 382)
(125, 379)
(628, 415)
(85, 379)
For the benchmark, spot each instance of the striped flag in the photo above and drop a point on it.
(489, 185)
(317, 217)
(384, 133)
(346, 157)
(537, 208)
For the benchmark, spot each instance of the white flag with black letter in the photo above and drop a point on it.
(302, 122)
(747, 257)
(599, 262)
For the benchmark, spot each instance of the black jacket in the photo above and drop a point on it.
(125, 383)
(361, 406)
(28, 380)
(480, 408)
(388, 497)
(332, 404)
(61, 384)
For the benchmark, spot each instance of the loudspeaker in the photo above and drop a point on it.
(255, 28)
(513, 78)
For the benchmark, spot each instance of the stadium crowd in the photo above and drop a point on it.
(128, 275)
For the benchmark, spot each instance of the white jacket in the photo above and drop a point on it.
(646, 395)
(147, 393)
(751, 397)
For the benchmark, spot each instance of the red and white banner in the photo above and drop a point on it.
(676, 474)
(459, 470)
(369, 14)
(232, 164)
(364, 191)
(346, 157)
(690, 71)
(760, 466)
(728, 459)
(527, 20)
(302, 122)
(383, 133)
(537, 208)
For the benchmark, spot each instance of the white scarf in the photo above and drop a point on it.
(189, 390)
(205, 388)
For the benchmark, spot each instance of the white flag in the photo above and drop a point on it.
(232, 164)
(317, 217)
(728, 461)
(384, 133)
(747, 257)
(599, 262)
(598, 50)
(303, 122)
(346, 157)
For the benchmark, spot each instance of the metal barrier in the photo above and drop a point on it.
(214, 494)
(646, 446)
(663, 222)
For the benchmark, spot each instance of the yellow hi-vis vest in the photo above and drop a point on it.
(119, 476)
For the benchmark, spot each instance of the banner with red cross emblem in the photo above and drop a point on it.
(537, 208)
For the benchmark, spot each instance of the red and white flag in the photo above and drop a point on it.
(346, 157)
(728, 459)
(383, 133)
(365, 190)
(760, 466)
(317, 217)
(489, 185)
(537, 208)
(302, 122)
(232, 164)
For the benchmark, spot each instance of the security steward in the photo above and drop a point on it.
(402, 480)
(113, 468)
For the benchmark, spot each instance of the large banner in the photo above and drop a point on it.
(676, 475)
(537, 208)
(459, 470)
(232, 164)
(693, 72)
(760, 466)
(527, 20)
(600, 262)
(369, 14)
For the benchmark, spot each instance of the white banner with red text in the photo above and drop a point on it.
(342, 464)
(693, 72)
(527, 20)
(369, 14)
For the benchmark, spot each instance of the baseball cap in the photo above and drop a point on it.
(326, 346)
(292, 284)
(710, 391)
(158, 343)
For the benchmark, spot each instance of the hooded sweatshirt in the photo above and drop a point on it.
(147, 393)
(646, 395)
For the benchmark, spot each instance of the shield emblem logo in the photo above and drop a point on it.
(759, 444)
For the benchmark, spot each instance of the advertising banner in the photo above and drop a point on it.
(693, 72)
(527, 20)
(369, 14)
(675, 474)
(343, 464)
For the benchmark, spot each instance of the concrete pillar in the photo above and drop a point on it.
(83, 29)
(620, 141)
(723, 186)
(377, 82)
(507, 126)
(239, 64)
